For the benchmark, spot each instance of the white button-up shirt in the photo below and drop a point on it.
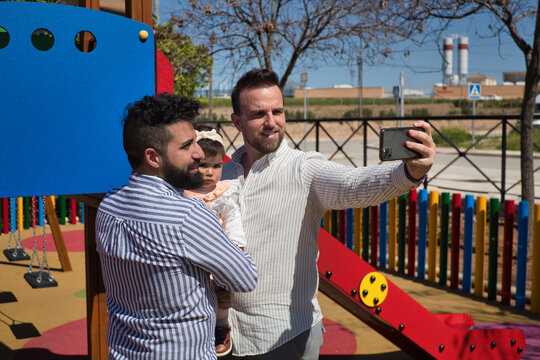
(282, 201)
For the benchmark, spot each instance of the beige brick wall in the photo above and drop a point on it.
(462, 92)
(367, 92)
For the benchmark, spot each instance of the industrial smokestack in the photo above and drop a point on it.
(463, 59)
(448, 47)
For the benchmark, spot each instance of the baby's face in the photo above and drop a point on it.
(210, 168)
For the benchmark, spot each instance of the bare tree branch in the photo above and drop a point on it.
(281, 33)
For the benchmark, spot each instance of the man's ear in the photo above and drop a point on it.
(236, 121)
(153, 158)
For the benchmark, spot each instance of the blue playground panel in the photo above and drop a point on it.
(61, 109)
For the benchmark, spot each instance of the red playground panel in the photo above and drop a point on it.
(367, 294)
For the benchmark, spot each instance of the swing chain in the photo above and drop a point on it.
(34, 248)
(11, 233)
(45, 262)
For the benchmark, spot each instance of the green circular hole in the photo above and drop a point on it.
(42, 39)
(4, 38)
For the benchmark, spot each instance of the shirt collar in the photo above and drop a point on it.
(236, 157)
(160, 184)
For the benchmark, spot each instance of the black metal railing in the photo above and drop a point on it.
(366, 128)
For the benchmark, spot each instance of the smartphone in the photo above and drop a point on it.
(392, 144)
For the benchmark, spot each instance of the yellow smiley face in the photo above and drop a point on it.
(373, 289)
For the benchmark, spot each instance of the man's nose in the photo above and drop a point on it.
(269, 120)
(198, 153)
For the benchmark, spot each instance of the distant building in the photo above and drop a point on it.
(513, 77)
(481, 79)
(341, 92)
(486, 91)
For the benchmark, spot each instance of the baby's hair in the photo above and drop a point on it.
(209, 146)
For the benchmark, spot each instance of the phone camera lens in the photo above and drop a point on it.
(387, 153)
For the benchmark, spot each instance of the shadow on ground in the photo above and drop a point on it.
(395, 355)
(33, 354)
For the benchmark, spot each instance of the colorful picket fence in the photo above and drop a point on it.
(442, 237)
(15, 213)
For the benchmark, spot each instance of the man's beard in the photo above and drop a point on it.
(268, 146)
(182, 179)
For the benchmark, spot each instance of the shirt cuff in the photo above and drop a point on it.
(418, 181)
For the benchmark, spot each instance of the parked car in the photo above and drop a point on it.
(492, 97)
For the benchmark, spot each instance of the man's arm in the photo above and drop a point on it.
(207, 246)
(339, 187)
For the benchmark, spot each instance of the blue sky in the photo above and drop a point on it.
(422, 68)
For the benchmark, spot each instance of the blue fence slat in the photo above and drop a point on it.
(523, 234)
(422, 232)
(383, 233)
(41, 212)
(468, 243)
(349, 231)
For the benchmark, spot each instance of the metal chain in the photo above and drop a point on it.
(45, 262)
(11, 233)
(34, 252)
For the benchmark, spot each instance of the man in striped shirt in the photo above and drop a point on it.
(284, 195)
(158, 247)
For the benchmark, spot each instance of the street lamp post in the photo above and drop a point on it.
(304, 79)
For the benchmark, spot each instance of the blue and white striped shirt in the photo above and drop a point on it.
(157, 250)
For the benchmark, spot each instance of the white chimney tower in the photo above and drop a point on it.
(463, 59)
(448, 48)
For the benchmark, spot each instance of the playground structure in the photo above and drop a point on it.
(103, 137)
(396, 235)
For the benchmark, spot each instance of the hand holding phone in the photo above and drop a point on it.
(392, 143)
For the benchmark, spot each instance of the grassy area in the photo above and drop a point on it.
(506, 104)
(513, 140)
(463, 139)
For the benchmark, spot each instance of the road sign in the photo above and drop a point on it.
(474, 91)
(397, 92)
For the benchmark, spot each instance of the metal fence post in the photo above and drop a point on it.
(364, 122)
(503, 161)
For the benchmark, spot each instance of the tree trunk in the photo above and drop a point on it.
(210, 80)
(210, 96)
(527, 113)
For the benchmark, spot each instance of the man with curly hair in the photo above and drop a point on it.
(158, 248)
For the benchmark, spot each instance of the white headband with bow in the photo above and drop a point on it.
(211, 135)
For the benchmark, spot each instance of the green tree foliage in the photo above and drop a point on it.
(191, 63)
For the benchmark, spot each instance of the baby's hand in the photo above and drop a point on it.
(224, 299)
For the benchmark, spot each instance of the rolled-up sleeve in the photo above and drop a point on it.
(207, 246)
